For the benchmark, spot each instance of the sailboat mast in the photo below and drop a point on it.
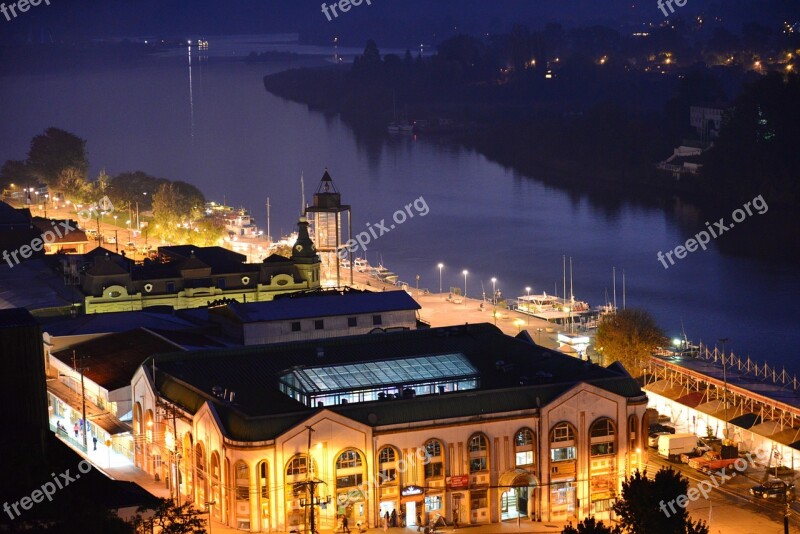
(564, 275)
(571, 294)
(614, 273)
(269, 236)
(302, 196)
(623, 289)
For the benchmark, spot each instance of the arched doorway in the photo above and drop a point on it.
(215, 478)
(296, 473)
(389, 482)
(351, 474)
(202, 475)
(241, 474)
(187, 465)
(263, 494)
(519, 495)
(138, 436)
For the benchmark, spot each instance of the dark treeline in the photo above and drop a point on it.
(587, 105)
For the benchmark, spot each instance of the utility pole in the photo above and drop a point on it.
(269, 236)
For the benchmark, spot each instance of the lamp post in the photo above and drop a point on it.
(528, 304)
(441, 265)
(494, 300)
(724, 340)
(465, 272)
(46, 198)
(539, 336)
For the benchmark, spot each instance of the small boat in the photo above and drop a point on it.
(360, 264)
(383, 274)
(400, 127)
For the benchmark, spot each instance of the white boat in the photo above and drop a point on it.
(382, 273)
(360, 264)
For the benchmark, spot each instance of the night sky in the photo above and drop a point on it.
(392, 22)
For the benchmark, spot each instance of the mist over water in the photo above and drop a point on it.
(212, 124)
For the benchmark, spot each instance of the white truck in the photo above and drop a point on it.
(672, 445)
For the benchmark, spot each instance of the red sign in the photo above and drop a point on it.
(459, 481)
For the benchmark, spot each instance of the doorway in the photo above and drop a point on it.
(411, 514)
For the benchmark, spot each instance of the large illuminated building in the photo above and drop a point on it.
(463, 422)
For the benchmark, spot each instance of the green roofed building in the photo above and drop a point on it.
(459, 422)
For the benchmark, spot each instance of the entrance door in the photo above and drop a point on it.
(411, 514)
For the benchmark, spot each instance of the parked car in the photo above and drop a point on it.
(109, 239)
(773, 488)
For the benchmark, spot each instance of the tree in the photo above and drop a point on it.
(73, 184)
(171, 519)
(589, 526)
(645, 505)
(15, 172)
(629, 337)
(56, 150)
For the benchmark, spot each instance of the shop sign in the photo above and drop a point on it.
(459, 481)
(407, 491)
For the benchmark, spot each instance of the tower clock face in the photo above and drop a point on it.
(298, 248)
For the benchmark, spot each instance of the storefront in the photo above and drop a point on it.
(412, 499)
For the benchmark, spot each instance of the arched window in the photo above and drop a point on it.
(478, 453)
(387, 465)
(632, 433)
(242, 475)
(263, 493)
(215, 484)
(562, 443)
(435, 466)
(348, 459)
(297, 466)
(202, 472)
(524, 448)
(602, 435)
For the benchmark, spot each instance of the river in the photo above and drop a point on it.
(210, 122)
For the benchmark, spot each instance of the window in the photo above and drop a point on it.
(388, 475)
(221, 283)
(295, 326)
(563, 432)
(348, 459)
(352, 321)
(433, 469)
(377, 320)
(561, 493)
(433, 503)
(601, 449)
(478, 452)
(433, 448)
(386, 455)
(242, 481)
(319, 324)
(602, 428)
(349, 481)
(477, 443)
(263, 481)
(170, 287)
(297, 466)
(562, 454)
(477, 464)
(524, 458)
(602, 505)
(479, 500)
(524, 437)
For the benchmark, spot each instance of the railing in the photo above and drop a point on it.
(64, 435)
(748, 367)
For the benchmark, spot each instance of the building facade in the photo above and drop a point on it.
(459, 423)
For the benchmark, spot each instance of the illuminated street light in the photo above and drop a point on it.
(441, 265)
(464, 272)
(528, 304)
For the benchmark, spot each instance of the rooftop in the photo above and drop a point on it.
(511, 375)
(319, 304)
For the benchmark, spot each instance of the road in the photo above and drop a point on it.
(729, 507)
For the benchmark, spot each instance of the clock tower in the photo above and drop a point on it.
(304, 255)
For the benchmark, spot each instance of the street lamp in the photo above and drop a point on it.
(441, 265)
(494, 300)
(465, 272)
(528, 304)
(724, 340)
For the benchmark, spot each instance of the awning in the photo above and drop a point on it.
(94, 414)
(517, 478)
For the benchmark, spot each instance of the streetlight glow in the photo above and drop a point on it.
(464, 272)
(441, 265)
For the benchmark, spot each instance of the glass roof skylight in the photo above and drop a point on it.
(362, 375)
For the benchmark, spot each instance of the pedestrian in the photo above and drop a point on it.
(386, 523)
(394, 517)
(455, 519)
(75, 428)
(94, 440)
(386, 517)
(419, 519)
(345, 528)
